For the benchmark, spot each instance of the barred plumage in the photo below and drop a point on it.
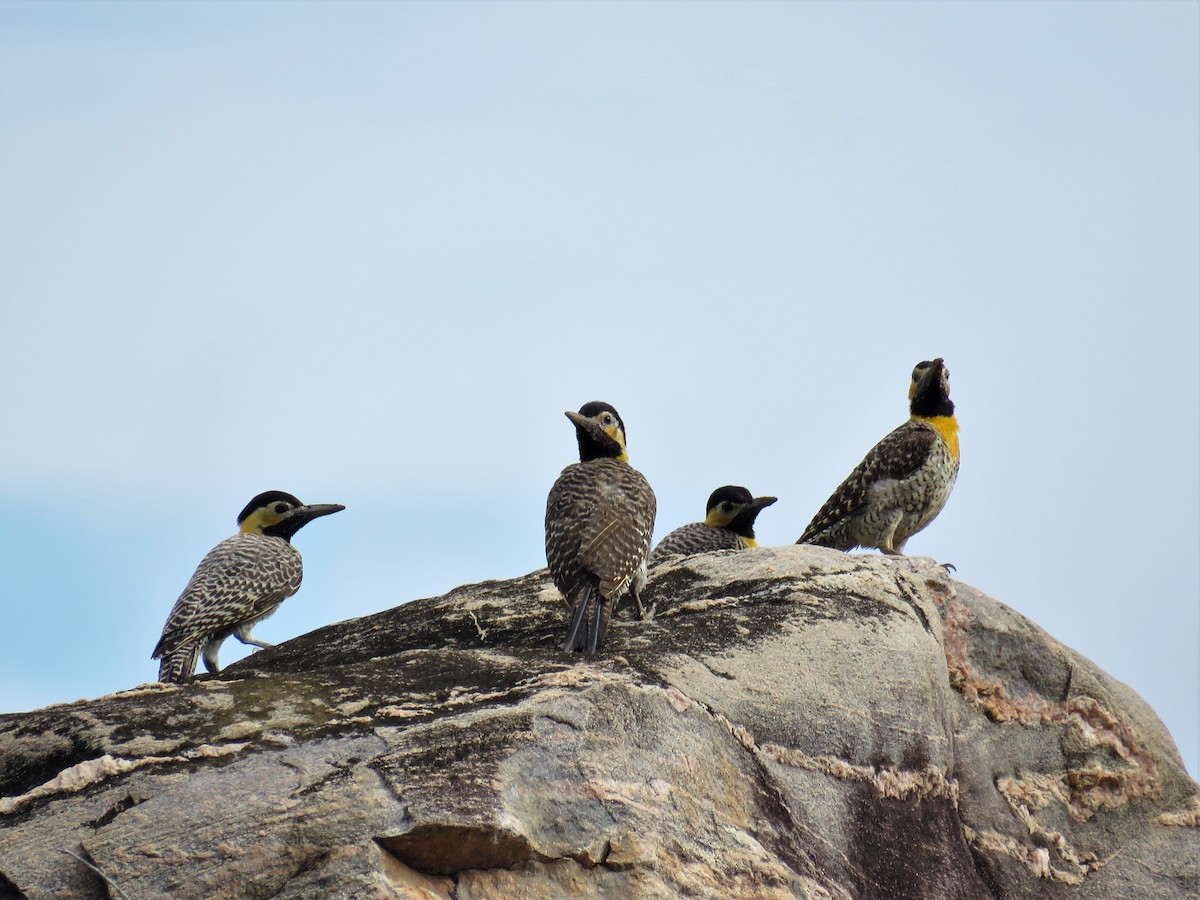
(903, 482)
(599, 523)
(239, 583)
(728, 525)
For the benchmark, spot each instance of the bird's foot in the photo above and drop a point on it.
(644, 611)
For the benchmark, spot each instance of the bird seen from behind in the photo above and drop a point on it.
(599, 524)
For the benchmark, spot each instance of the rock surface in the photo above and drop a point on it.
(795, 722)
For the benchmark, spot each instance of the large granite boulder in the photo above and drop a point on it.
(795, 722)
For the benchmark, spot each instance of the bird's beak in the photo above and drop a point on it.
(306, 514)
(934, 374)
(586, 424)
(761, 502)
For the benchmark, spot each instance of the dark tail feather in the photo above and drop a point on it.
(599, 625)
(577, 632)
(179, 665)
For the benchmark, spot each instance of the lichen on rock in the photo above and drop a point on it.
(794, 722)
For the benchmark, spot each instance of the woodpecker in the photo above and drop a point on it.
(728, 525)
(904, 481)
(599, 522)
(239, 583)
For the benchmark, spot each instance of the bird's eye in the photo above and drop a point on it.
(280, 508)
(606, 419)
(727, 506)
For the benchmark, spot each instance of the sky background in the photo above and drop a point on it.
(369, 253)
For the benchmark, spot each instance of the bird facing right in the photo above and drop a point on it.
(903, 482)
(728, 525)
(599, 523)
(239, 583)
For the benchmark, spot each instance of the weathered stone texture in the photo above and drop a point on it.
(796, 722)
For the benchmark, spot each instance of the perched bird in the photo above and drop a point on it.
(599, 522)
(728, 525)
(904, 481)
(239, 583)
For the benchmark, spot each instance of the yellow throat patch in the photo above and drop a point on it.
(717, 519)
(947, 427)
(615, 432)
(259, 520)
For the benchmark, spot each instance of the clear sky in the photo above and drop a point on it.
(369, 252)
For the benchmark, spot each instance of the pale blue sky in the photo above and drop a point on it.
(369, 252)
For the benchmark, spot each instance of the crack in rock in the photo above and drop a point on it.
(93, 771)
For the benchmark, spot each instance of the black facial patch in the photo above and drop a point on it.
(266, 499)
(743, 522)
(930, 398)
(593, 441)
(732, 493)
(593, 409)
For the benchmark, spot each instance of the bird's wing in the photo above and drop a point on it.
(896, 457)
(569, 502)
(239, 580)
(616, 538)
(695, 538)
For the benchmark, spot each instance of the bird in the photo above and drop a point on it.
(599, 523)
(728, 525)
(903, 482)
(239, 583)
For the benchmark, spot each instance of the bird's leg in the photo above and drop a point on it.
(890, 545)
(242, 633)
(210, 655)
(635, 589)
(645, 613)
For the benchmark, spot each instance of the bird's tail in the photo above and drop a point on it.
(178, 665)
(599, 624)
(822, 538)
(577, 631)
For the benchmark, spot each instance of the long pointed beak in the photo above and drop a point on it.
(591, 426)
(315, 510)
(761, 502)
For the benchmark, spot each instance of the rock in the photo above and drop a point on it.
(796, 722)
